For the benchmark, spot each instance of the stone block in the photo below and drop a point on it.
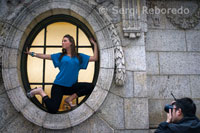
(152, 63)
(34, 114)
(165, 40)
(107, 74)
(179, 63)
(156, 111)
(127, 89)
(18, 39)
(11, 78)
(103, 39)
(135, 58)
(132, 131)
(93, 125)
(18, 98)
(56, 121)
(160, 87)
(195, 86)
(80, 8)
(107, 58)
(95, 21)
(134, 117)
(6, 110)
(192, 38)
(21, 125)
(140, 84)
(96, 98)
(80, 114)
(112, 111)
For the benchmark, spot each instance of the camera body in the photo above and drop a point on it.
(167, 107)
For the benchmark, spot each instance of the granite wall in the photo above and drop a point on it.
(163, 58)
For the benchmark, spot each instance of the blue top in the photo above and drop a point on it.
(69, 68)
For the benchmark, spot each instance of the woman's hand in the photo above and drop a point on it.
(27, 51)
(92, 41)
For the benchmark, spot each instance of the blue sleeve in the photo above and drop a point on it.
(84, 60)
(55, 59)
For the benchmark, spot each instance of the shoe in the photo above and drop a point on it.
(29, 95)
(70, 103)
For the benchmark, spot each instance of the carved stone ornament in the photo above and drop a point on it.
(120, 70)
(131, 18)
(185, 22)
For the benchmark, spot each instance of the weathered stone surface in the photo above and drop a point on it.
(152, 63)
(95, 21)
(132, 131)
(135, 58)
(93, 125)
(81, 8)
(165, 40)
(18, 98)
(105, 74)
(195, 86)
(21, 125)
(140, 84)
(103, 40)
(156, 111)
(126, 41)
(56, 121)
(179, 63)
(134, 117)
(155, 21)
(7, 112)
(96, 98)
(34, 114)
(161, 86)
(68, 130)
(80, 114)
(127, 89)
(192, 38)
(107, 58)
(112, 111)
(11, 78)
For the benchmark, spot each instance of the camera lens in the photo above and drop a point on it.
(167, 107)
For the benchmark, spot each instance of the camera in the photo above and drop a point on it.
(167, 107)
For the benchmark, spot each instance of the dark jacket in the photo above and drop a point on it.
(186, 125)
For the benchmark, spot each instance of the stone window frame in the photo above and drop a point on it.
(41, 25)
(19, 29)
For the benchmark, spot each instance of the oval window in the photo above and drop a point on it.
(46, 38)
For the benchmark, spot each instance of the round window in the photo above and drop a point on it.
(46, 38)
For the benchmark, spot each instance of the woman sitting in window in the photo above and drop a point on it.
(69, 63)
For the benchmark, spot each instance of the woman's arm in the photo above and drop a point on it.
(95, 56)
(38, 55)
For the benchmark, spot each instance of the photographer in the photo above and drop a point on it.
(180, 118)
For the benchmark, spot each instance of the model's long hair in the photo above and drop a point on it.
(74, 50)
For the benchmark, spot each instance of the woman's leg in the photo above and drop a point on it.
(80, 89)
(53, 103)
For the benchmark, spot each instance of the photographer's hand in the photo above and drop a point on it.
(169, 116)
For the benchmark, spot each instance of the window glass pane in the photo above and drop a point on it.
(56, 31)
(39, 40)
(83, 40)
(35, 66)
(88, 74)
(50, 70)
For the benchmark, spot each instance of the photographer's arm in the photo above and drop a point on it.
(38, 55)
